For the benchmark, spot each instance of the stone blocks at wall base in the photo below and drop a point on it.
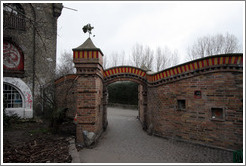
(86, 138)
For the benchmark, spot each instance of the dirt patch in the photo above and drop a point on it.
(35, 142)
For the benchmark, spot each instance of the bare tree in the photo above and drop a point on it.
(142, 57)
(65, 65)
(212, 45)
(165, 58)
(114, 59)
(105, 62)
(162, 58)
(231, 44)
(122, 58)
(174, 59)
(137, 54)
(148, 58)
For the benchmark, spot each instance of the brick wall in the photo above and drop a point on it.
(105, 103)
(199, 101)
(201, 95)
(89, 105)
(140, 103)
(66, 94)
(142, 106)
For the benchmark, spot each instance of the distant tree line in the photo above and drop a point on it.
(214, 45)
(156, 60)
(143, 57)
(123, 93)
(162, 57)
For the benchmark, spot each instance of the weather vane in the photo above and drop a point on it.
(88, 28)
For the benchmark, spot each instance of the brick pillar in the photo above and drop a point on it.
(145, 102)
(142, 106)
(105, 103)
(88, 61)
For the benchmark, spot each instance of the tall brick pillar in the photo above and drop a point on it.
(88, 60)
(142, 106)
(105, 103)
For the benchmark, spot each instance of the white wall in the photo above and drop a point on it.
(27, 107)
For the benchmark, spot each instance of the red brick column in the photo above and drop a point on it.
(142, 105)
(105, 103)
(89, 104)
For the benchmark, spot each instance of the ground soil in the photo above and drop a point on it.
(35, 142)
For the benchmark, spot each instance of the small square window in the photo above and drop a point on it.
(217, 113)
(181, 104)
(197, 94)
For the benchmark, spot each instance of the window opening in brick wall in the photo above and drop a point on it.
(217, 113)
(198, 94)
(181, 105)
(12, 98)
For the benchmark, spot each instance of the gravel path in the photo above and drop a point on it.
(126, 142)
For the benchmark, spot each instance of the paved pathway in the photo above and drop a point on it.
(126, 142)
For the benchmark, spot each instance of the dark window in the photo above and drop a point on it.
(217, 113)
(198, 94)
(14, 16)
(12, 98)
(181, 104)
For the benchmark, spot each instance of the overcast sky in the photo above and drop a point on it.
(118, 26)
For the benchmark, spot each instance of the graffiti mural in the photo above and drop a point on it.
(29, 99)
(12, 57)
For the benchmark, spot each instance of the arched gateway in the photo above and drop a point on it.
(200, 101)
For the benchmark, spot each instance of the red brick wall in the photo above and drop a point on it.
(99, 104)
(194, 123)
(142, 106)
(89, 105)
(176, 103)
(140, 103)
(82, 95)
(66, 94)
(105, 103)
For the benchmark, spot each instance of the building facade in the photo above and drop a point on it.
(29, 54)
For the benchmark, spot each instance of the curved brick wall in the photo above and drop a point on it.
(200, 101)
(217, 62)
(124, 73)
(223, 90)
(215, 87)
(203, 85)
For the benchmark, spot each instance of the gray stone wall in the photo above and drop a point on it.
(38, 44)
